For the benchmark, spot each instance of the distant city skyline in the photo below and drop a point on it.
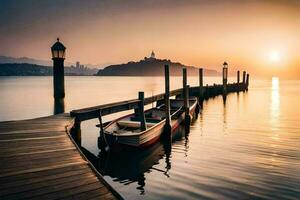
(258, 36)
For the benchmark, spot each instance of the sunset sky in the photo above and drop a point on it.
(262, 37)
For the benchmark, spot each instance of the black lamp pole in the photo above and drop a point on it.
(58, 57)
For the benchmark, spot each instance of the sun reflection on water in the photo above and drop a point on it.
(275, 102)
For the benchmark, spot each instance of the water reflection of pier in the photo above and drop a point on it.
(130, 165)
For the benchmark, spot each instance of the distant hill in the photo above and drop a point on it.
(7, 59)
(26, 69)
(151, 67)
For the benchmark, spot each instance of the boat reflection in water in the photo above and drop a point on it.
(130, 165)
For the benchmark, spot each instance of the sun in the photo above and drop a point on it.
(275, 56)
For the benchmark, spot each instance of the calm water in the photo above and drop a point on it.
(245, 148)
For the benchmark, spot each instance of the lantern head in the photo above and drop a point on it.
(58, 50)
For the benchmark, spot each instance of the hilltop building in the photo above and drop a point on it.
(151, 57)
(152, 54)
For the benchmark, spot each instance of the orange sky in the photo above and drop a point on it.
(261, 37)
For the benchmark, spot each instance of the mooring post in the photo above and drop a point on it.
(184, 84)
(225, 75)
(238, 87)
(186, 97)
(58, 57)
(141, 111)
(76, 132)
(187, 118)
(167, 100)
(101, 132)
(247, 81)
(200, 84)
(244, 80)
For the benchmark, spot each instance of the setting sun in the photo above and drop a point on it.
(275, 56)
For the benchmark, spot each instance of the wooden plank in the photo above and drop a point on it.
(13, 182)
(41, 141)
(30, 130)
(33, 149)
(55, 190)
(42, 151)
(74, 190)
(99, 193)
(42, 163)
(34, 159)
(93, 112)
(14, 139)
(39, 156)
(12, 173)
(43, 173)
(48, 183)
(11, 136)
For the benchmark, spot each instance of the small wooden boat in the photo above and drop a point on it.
(126, 130)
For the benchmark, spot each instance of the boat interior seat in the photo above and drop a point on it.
(151, 119)
(133, 124)
(171, 109)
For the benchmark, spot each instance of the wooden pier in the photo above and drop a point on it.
(202, 92)
(39, 160)
(107, 109)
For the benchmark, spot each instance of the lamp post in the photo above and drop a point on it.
(225, 75)
(58, 56)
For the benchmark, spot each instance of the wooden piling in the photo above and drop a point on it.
(186, 100)
(76, 132)
(238, 76)
(167, 100)
(141, 111)
(225, 75)
(201, 84)
(244, 77)
(187, 118)
(101, 139)
(244, 80)
(184, 86)
(247, 81)
(186, 97)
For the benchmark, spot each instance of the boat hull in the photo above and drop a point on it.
(149, 137)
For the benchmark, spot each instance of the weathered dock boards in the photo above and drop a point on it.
(38, 160)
